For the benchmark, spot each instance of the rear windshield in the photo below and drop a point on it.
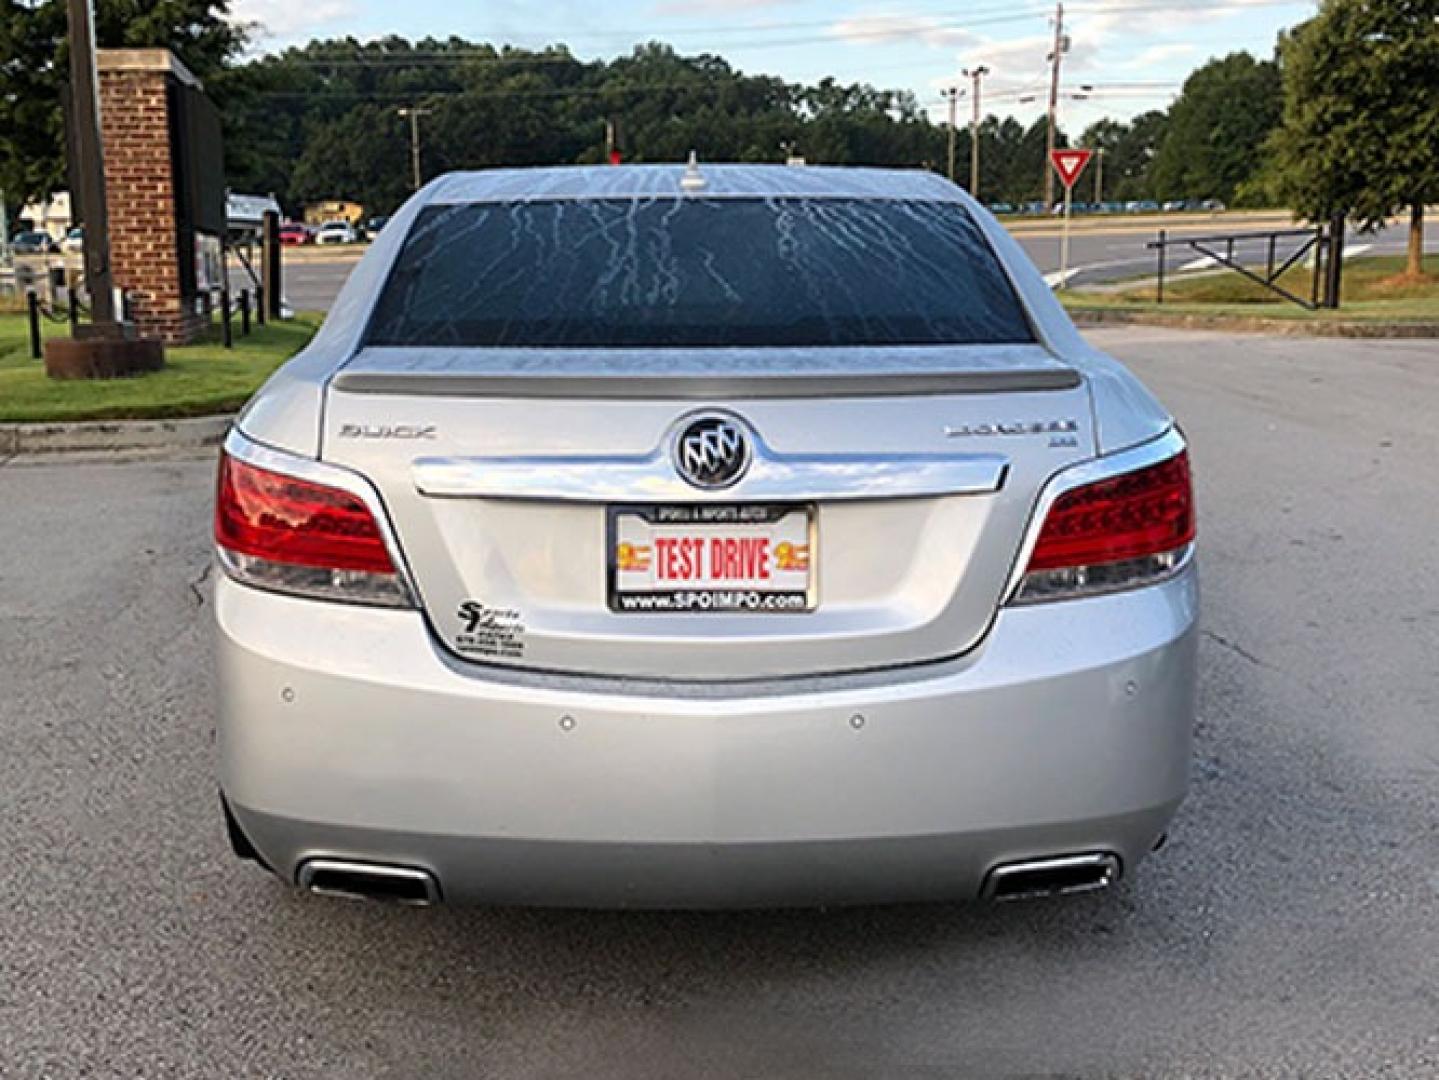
(696, 272)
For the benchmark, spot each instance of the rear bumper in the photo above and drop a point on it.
(345, 732)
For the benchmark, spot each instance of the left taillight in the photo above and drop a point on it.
(294, 535)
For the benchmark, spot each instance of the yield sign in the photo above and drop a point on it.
(1069, 164)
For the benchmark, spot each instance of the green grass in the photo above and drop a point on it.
(197, 380)
(1373, 292)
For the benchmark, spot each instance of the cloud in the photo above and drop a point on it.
(1159, 54)
(286, 19)
(708, 7)
(900, 29)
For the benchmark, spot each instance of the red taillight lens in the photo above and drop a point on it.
(1146, 512)
(280, 519)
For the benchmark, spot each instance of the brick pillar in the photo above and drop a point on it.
(140, 187)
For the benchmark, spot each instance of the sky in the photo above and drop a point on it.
(1125, 56)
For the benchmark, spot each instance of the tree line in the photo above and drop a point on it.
(323, 121)
(1343, 118)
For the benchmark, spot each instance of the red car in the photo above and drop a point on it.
(292, 235)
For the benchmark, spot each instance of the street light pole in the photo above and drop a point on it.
(414, 113)
(89, 176)
(975, 74)
(952, 93)
(1098, 176)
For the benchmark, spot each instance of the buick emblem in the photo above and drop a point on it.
(711, 452)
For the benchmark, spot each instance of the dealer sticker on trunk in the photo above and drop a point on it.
(704, 558)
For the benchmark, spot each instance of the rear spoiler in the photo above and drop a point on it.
(706, 387)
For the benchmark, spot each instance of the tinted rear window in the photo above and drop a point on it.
(697, 272)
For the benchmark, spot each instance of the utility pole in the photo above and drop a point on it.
(414, 113)
(1061, 46)
(975, 74)
(952, 94)
(89, 175)
(1098, 176)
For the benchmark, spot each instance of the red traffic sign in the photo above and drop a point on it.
(1069, 164)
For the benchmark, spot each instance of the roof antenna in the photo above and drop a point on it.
(692, 180)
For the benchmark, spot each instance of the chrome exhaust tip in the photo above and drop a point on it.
(369, 881)
(1062, 875)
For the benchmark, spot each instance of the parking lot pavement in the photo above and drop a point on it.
(1289, 929)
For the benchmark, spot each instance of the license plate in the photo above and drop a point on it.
(697, 559)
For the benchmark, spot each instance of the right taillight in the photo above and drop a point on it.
(1117, 533)
(294, 535)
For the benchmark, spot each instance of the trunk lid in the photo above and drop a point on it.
(501, 470)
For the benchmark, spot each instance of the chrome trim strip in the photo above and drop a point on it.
(241, 448)
(652, 477)
(706, 388)
(1160, 448)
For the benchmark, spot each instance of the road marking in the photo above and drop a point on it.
(1054, 279)
(1199, 264)
(1349, 252)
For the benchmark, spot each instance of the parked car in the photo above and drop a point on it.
(1001, 208)
(1214, 205)
(608, 553)
(33, 242)
(74, 242)
(335, 232)
(293, 235)
(1172, 206)
(374, 226)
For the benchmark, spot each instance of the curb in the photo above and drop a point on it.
(107, 435)
(1246, 325)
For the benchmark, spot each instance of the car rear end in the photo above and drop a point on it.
(755, 541)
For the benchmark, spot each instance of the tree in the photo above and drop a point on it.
(1215, 137)
(1129, 153)
(31, 128)
(34, 67)
(319, 121)
(1360, 132)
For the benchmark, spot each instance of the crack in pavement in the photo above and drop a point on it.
(1236, 648)
(199, 581)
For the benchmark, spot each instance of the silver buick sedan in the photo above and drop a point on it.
(702, 537)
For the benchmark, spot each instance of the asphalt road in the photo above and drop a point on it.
(1102, 252)
(1289, 929)
(1099, 252)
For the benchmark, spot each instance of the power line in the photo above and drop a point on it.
(700, 83)
(875, 32)
(880, 27)
(1004, 12)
